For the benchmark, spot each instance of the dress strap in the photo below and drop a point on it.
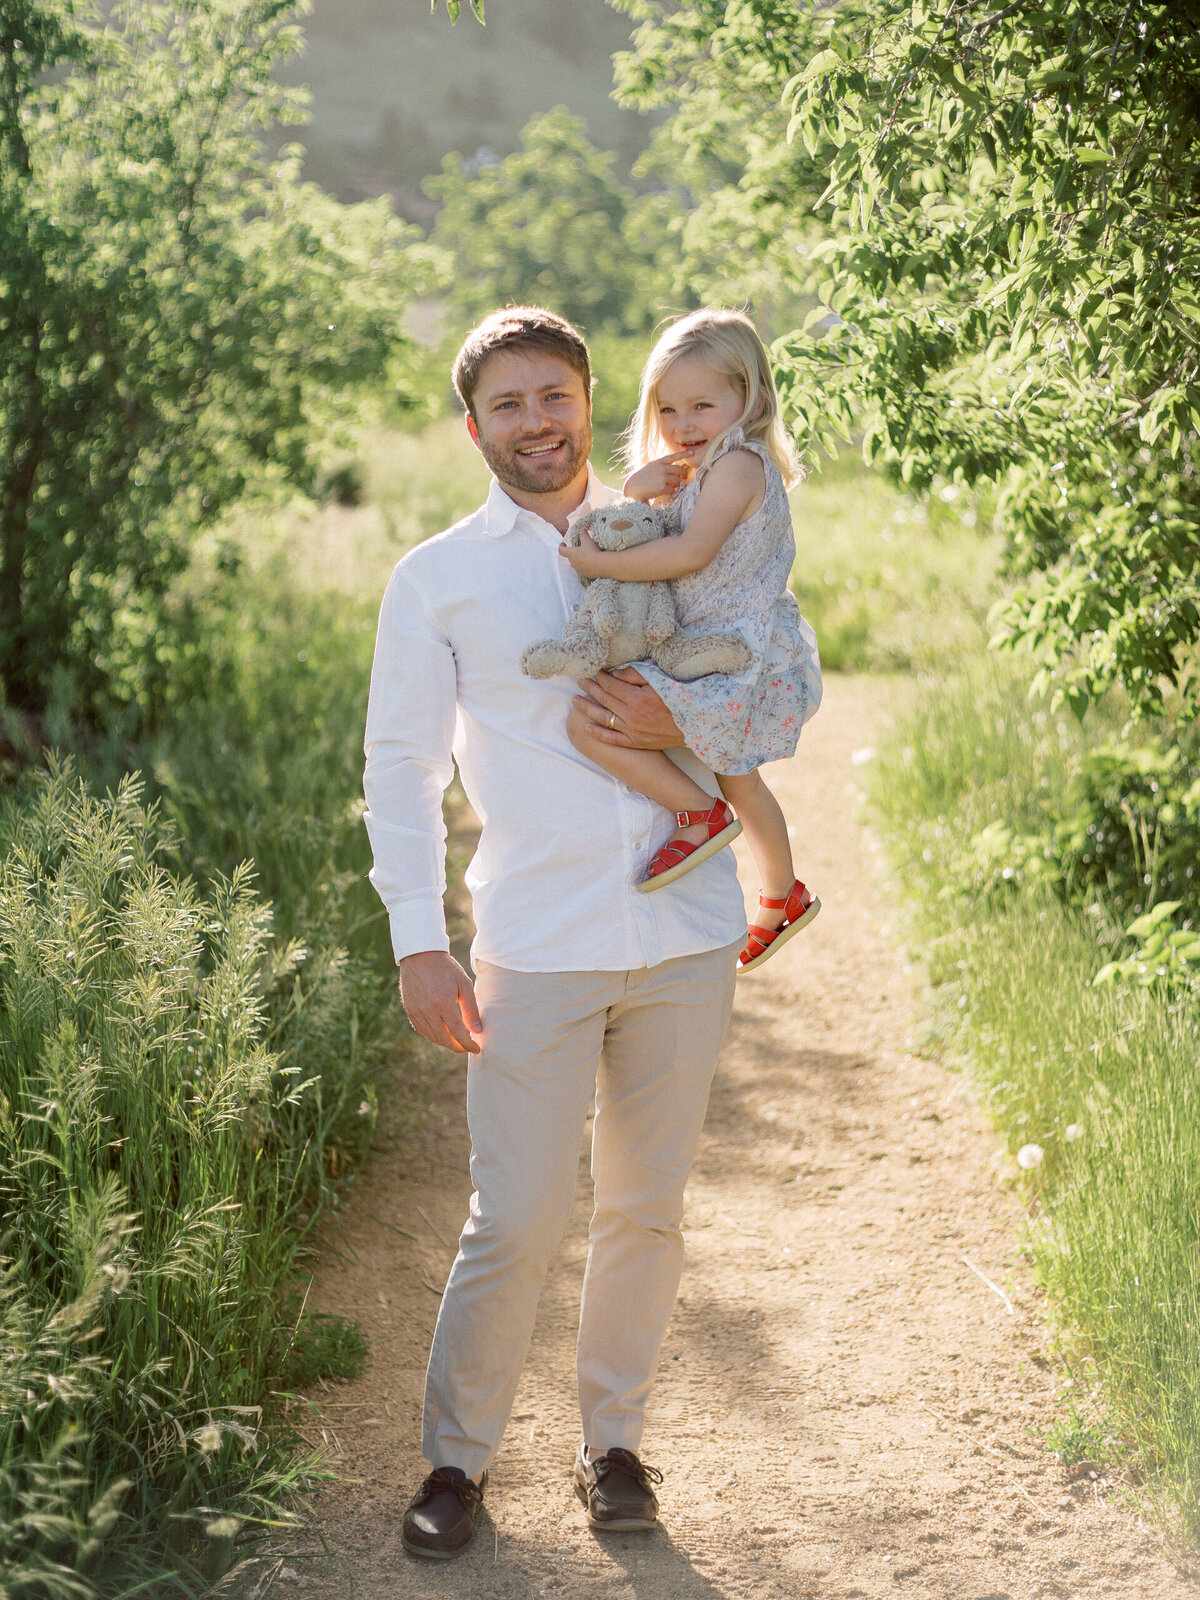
(736, 439)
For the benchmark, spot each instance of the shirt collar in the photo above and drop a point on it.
(501, 514)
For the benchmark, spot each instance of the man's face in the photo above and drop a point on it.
(533, 420)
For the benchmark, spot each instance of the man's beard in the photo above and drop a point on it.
(534, 478)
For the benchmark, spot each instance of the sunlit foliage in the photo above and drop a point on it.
(554, 224)
(1008, 283)
(181, 321)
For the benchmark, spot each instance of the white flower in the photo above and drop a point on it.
(1030, 1155)
(209, 1437)
(1074, 1131)
(364, 1109)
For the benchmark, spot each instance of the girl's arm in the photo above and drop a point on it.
(731, 492)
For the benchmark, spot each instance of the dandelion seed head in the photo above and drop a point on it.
(222, 1528)
(1030, 1155)
(1074, 1131)
(209, 1437)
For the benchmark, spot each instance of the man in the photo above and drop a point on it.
(583, 985)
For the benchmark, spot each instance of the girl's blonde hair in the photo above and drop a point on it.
(729, 343)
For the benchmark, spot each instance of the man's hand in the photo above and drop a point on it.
(439, 999)
(623, 709)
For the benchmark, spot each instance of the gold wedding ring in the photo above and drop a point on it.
(612, 721)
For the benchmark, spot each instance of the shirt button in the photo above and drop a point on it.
(637, 847)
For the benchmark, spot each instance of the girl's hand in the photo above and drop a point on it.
(658, 480)
(587, 557)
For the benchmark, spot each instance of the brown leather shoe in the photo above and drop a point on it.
(616, 1488)
(440, 1518)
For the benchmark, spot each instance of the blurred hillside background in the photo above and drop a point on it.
(393, 95)
(225, 414)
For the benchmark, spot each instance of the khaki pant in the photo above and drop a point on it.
(646, 1042)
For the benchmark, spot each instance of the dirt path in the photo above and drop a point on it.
(846, 1408)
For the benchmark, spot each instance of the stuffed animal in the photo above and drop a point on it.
(616, 623)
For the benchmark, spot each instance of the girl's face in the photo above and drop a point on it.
(696, 403)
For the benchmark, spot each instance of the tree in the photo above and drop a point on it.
(181, 321)
(1010, 197)
(723, 153)
(553, 223)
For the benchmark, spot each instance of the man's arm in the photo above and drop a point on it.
(410, 729)
(624, 710)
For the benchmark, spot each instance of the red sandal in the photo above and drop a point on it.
(679, 856)
(799, 909)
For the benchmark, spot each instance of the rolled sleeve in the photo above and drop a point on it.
(410, 732)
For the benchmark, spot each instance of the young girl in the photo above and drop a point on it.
(708, 396)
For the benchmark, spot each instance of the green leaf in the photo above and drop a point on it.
(1145, 924)
(821, 65)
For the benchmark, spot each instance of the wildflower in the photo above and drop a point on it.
(1074, 1131)
(222, 1527)
(209, 1437)
(364, 1109)
(1030, 1155)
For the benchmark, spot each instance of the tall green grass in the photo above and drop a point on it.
(890, 584)
(189, 1047)
(1102, 1080)
(155, 1156)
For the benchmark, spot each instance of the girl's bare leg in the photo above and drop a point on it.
(648, 772)
(766, 833)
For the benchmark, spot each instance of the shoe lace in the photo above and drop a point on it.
(626, 1462)
(440, 1482)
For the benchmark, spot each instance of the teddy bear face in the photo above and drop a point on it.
(621, 525)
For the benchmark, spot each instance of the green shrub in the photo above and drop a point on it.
(993, 792)
(182, 320)
(1130, 825)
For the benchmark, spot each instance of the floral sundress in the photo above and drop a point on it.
(735, 722)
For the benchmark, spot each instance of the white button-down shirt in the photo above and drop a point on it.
(563, 845)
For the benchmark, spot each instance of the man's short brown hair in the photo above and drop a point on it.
(519, 328)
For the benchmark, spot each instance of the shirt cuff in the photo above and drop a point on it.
(417, 925)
